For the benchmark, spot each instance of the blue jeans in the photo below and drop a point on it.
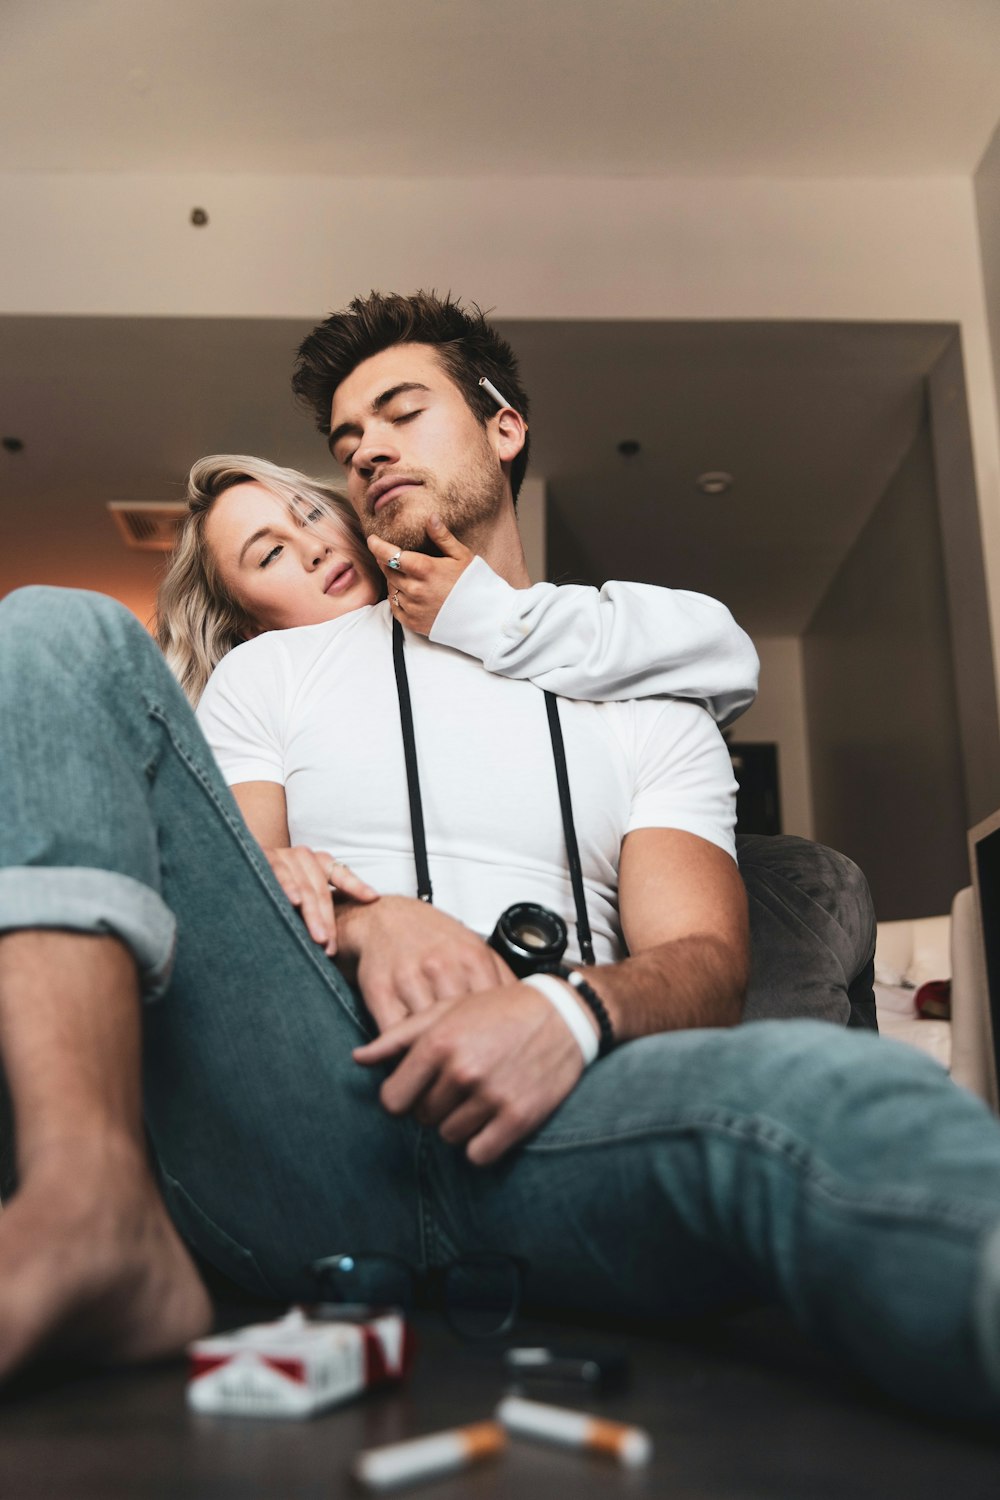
(829, 1170)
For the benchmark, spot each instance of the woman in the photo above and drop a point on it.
(266, 548)
(200, 617)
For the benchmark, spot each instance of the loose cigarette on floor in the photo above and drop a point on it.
(631, 1446)
(426, 1457)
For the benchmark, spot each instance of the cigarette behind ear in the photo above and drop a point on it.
(491, 390)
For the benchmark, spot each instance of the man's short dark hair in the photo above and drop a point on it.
(466, 344)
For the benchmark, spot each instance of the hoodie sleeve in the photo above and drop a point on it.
(626, 640)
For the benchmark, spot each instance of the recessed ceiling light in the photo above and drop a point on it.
(714, 482)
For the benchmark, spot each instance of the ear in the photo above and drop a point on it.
(511, 430)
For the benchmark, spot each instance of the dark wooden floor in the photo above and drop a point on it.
(738, 1409)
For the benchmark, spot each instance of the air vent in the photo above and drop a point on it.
(148, 526)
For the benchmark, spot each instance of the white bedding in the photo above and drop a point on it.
(898, 1019)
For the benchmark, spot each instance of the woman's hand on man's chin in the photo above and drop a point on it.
(419, 584)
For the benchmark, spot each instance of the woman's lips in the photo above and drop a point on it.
(341, 578)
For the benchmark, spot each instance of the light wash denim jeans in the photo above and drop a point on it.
(832, 1171)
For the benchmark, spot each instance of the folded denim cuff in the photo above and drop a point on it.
(97, 901)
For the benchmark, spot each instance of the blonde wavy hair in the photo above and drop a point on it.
(197, 618)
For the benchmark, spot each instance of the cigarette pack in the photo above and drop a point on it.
(296, 1366)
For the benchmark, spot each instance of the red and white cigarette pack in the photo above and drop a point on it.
(296, 1366)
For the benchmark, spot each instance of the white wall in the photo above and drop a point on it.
(904, 249)
(779, 715)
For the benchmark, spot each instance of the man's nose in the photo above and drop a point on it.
(373, 452)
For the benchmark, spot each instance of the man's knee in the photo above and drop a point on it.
(38, 618)
(58, 645)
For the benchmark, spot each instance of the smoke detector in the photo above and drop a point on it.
(148, 525)
(715, 482)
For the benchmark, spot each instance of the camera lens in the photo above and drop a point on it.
(529, 937)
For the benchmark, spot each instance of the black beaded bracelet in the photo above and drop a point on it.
(594, 1003)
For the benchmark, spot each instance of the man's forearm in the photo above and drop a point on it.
(693, 981)
(684, 918)
(488, 1069)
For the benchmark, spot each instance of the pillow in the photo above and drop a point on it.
(910, 954)
(931, 952)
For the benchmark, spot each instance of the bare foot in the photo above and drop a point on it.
(90, 1263)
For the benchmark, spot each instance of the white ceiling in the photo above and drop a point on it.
(812, 420)
(817, 88)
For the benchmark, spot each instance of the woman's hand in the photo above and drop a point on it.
(310, 880)
(421, 584)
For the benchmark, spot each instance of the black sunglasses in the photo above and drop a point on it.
(479, 1293)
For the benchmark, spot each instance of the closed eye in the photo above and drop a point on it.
(343, 456)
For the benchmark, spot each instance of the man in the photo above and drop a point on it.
(812, 921)
(689, 1167)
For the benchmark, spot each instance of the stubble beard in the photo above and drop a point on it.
(466, 507)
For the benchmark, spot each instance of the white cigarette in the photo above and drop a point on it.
(491, 390)
(631, 1446)
(440, 1453)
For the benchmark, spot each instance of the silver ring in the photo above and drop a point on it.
(394, 562)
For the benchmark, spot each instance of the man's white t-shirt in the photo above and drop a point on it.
(315, 709)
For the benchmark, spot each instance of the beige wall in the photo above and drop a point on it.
(886, 763)
(779, 715)
(531, 514)
(987, 190)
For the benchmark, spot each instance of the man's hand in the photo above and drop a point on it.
(309, 879)
(421, 584)
(410, 956)
(487, 1070)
